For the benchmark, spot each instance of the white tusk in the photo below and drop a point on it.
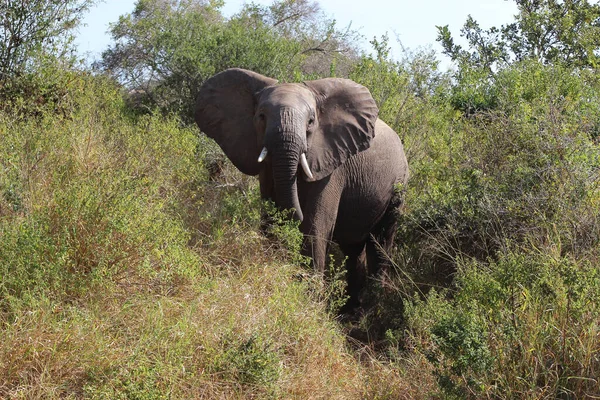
(263, 155)
(305, 167)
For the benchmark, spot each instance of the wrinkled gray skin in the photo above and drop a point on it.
(355, 159)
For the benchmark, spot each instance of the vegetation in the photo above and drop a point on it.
(548, 31)
(164, 50)
(31, 28)
(131, 259)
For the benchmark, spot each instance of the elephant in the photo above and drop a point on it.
(320, 150)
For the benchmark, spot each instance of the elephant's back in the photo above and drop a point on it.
(386, 154)
(369, 180)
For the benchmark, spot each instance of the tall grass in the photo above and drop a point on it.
(132, 263)
(128, 271)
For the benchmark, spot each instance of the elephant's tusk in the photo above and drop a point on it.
(305, 166)
(263, 155)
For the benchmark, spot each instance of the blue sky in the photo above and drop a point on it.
(411, 21)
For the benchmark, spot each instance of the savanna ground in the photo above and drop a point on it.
(131, 259)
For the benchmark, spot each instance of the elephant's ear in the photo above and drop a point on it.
(346, 115)
(225, 112)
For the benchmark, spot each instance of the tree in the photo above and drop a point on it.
(166, 49)
(486, 46)
(549, 31)
(323, 45)
(33, 26)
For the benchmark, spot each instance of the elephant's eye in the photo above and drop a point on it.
(311, 121)
(261, 116)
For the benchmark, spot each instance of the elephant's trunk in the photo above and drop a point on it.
(286, 157)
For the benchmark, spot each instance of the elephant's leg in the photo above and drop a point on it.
(320, 215)
(381, 242)
(356, 274)
(320, 201)
(315, 245)
(267, 192)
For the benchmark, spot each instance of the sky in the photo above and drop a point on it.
(413, 22)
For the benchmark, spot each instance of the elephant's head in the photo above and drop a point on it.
(317, 124)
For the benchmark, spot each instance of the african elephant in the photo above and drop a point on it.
(350, 160)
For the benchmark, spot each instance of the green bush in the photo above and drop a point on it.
(501, 210)
(86, 193)
(519, 327)
(251, 361)
(518, 173)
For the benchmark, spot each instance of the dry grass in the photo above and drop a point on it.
(244, 326)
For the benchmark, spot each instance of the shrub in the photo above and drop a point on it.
(86, 194)
(519, 327)
(516, 174)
